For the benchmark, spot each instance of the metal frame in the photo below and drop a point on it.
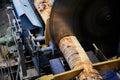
(68, 75)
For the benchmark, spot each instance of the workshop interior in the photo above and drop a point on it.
(59, 40)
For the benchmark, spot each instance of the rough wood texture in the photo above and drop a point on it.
(47, 37)
(77, 58)
(44, 8)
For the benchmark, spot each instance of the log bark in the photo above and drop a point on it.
(44, 8)
(77, 58)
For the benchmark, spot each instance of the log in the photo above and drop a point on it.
(77, 58)
(44, 8)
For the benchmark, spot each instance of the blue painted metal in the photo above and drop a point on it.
(107, 74)
(53, 1)
(40, 38)
(49, 48)
(35, 61)
(56, 66)
(26, 14)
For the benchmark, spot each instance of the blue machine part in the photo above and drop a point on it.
(49, 48)
(53, 1)
(56, 66)
(106, 74)
(26, 14)
(35, 61)
(109, 75)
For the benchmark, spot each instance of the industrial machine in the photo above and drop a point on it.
(61, 40)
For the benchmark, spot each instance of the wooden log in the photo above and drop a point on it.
(47, 37)
(77, 58)
(44, 8)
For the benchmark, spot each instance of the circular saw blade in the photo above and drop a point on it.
(91, 21)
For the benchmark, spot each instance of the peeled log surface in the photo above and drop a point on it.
(44, 8)
(77, 58)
